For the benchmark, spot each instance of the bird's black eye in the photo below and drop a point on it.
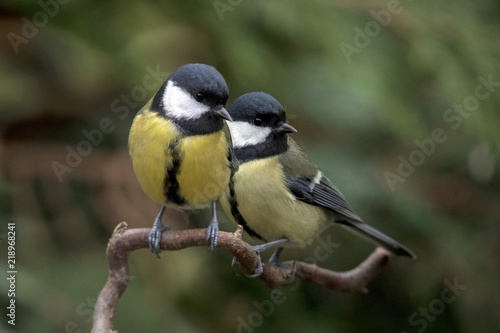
(199, 97)
(257, 121)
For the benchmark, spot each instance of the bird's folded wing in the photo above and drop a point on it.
(322, 194)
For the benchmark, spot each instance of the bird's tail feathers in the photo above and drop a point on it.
(372, 234)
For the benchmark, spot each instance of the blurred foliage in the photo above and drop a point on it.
(355, 118)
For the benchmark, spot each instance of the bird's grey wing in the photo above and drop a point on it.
(308, 184)
(320, 192)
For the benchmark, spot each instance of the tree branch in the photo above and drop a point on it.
(123, 241)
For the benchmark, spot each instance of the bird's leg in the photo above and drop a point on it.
(263, 247)
(260, 248)
(275, 257)
(213, 229)
(155, 234)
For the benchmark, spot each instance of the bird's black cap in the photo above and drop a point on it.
(195, 78)
(251, 105)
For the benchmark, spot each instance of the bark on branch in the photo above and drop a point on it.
(123, 241)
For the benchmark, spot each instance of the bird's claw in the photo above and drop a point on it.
(275, 260)
(258, 270)
(213, 229)
(259, 248)
(233, 263)
(155, 234)
(155, 238)
(213, 234)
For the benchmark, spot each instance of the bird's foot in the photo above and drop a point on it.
(213, 233)
(275, 260)
(155, 234)
(260, 248)
(258, 270)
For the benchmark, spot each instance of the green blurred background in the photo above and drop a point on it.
(359, 101)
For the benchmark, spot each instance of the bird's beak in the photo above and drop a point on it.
(286, 128)
(222, 112)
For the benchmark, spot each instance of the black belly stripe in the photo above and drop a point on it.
(170, 183)
(237, 215)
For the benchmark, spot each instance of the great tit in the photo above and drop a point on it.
(278, 194)
(181, 146)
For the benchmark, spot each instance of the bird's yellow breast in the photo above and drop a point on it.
(149, 140)
(203, 172)
(269, 208)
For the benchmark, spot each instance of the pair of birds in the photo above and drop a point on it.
(186, 156)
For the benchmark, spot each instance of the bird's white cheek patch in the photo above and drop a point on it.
(246, 134)
(180, 104)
